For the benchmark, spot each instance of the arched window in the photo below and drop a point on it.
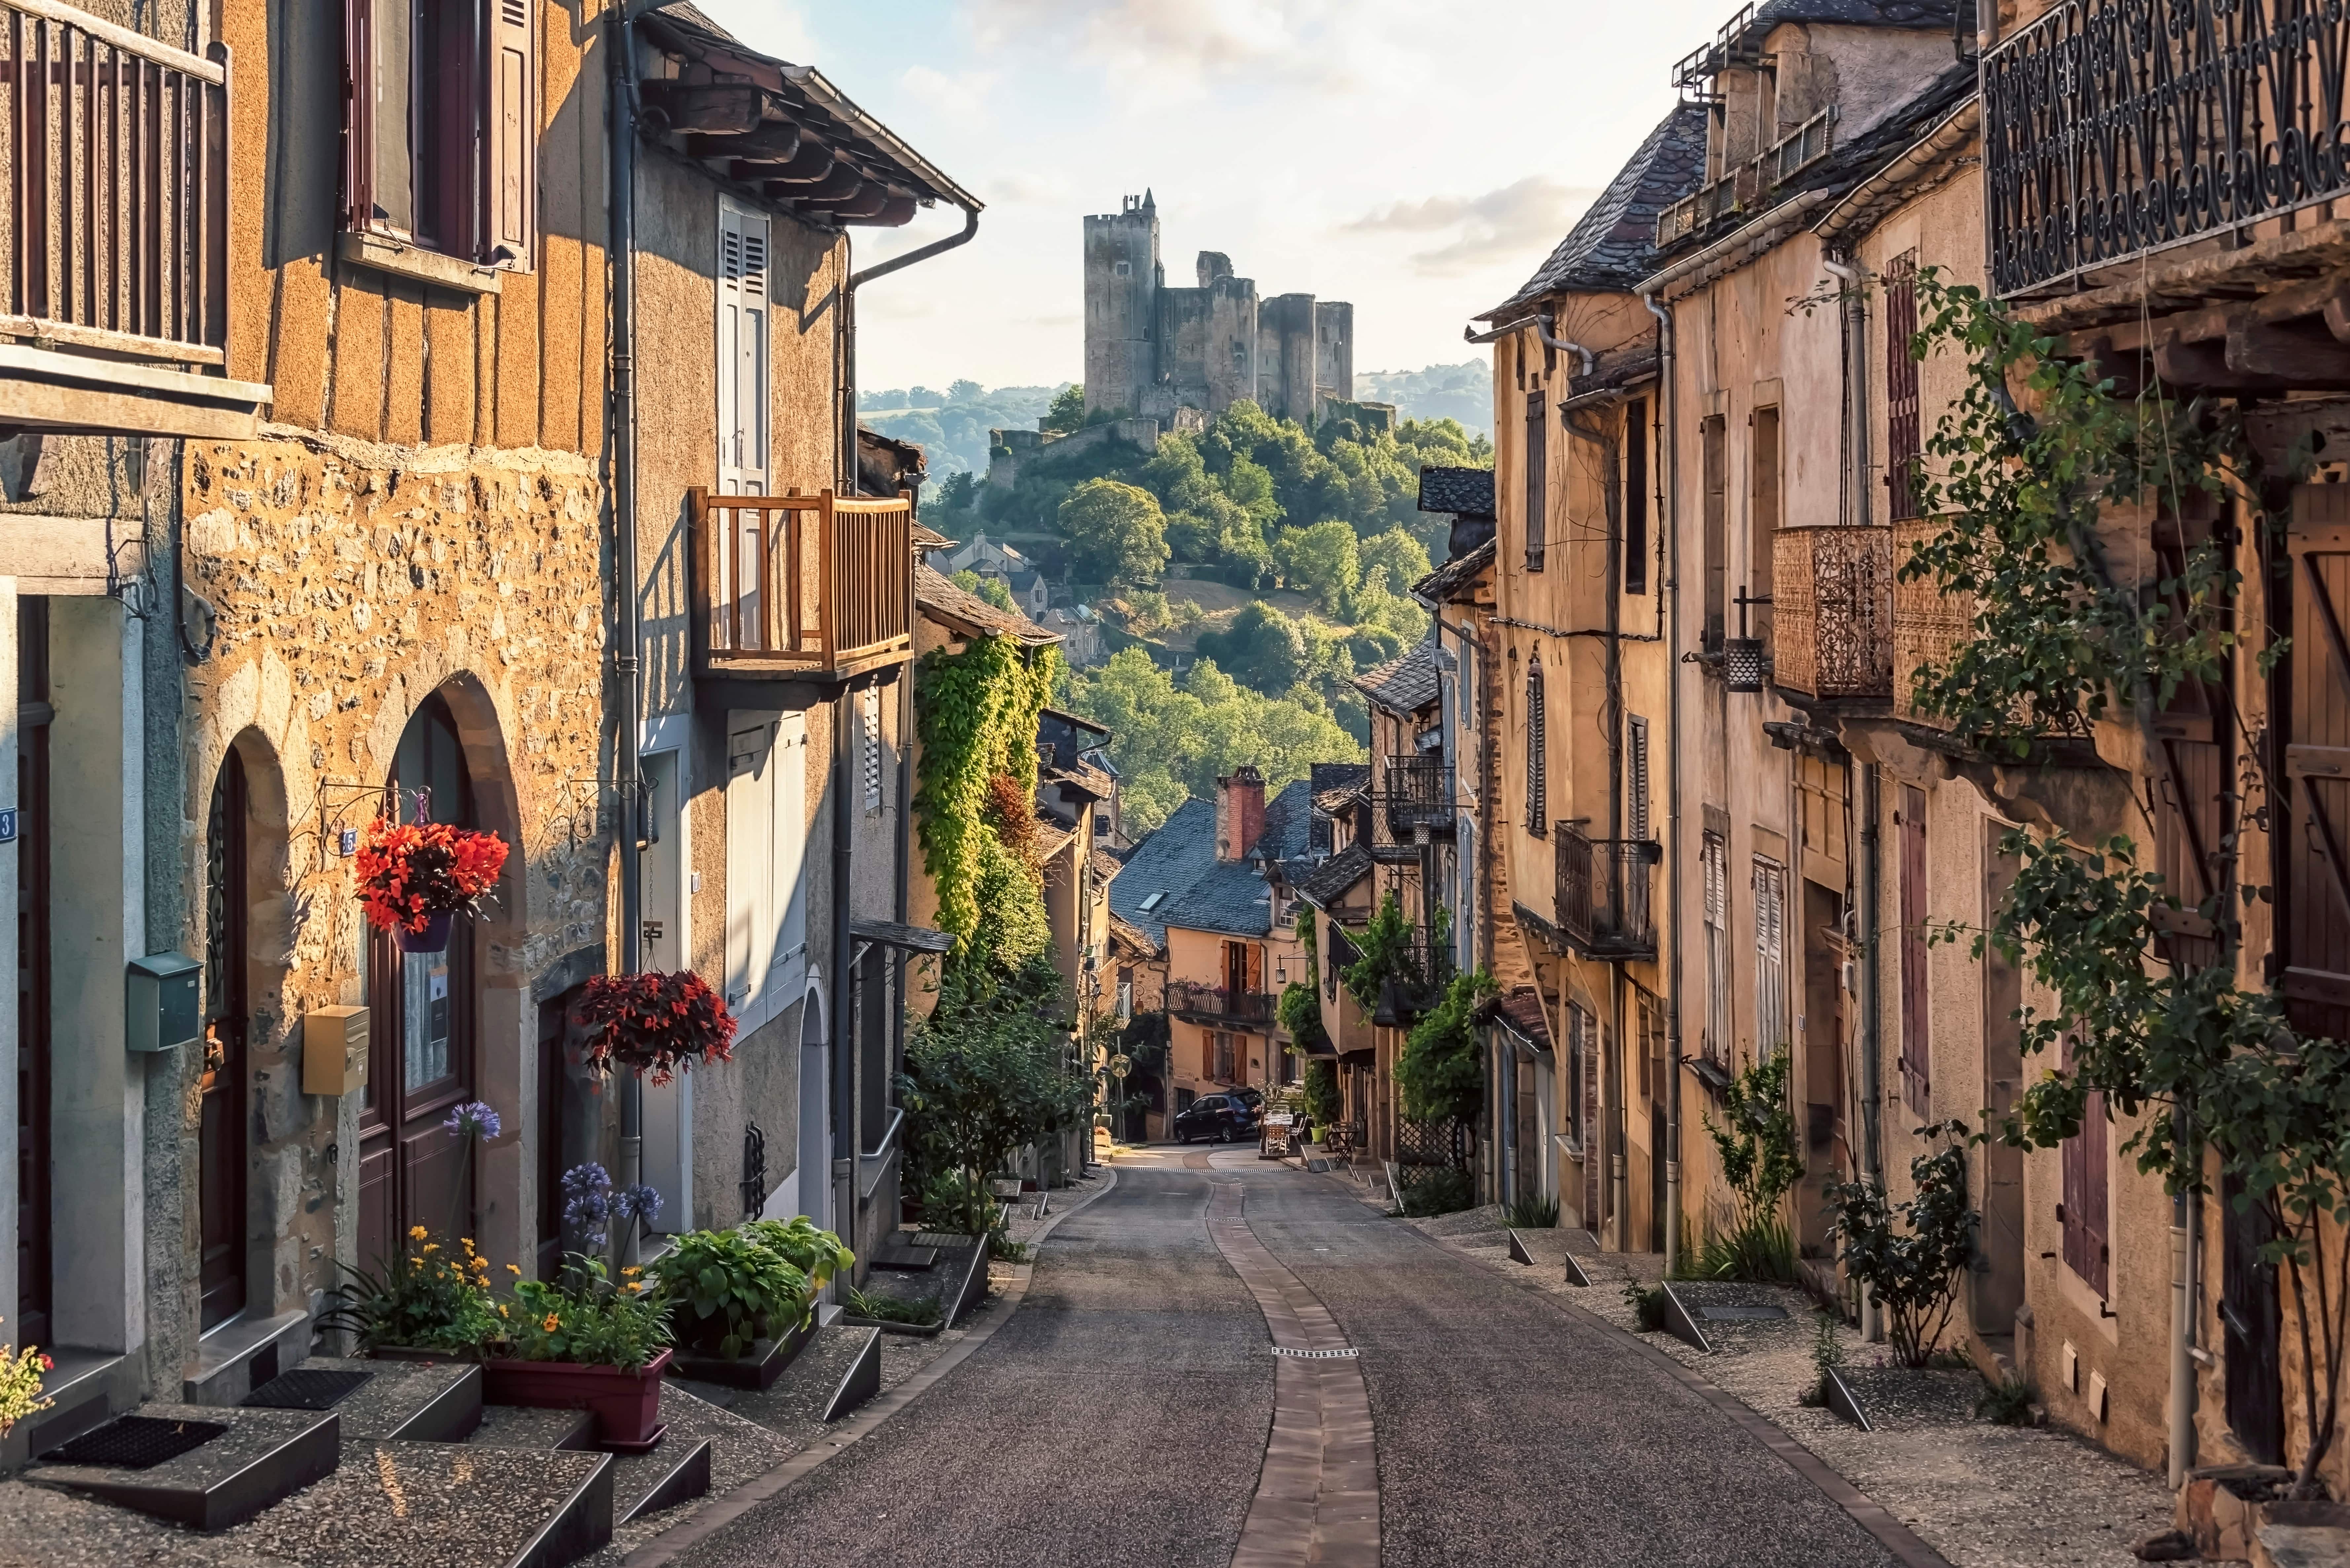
(1537, 758)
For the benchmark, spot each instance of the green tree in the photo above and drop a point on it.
(1068, 412)
(1115, 533)
(1441, 1072)
(991, 589)
(1405, 560)
(1324, 562)
(1262, 648)
(964, 391)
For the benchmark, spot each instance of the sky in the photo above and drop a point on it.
(1419, 158)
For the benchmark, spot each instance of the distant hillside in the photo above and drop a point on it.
(952, 425)
(1463, 392)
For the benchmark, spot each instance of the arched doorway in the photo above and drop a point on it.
(221, 1142)
(423, 1055)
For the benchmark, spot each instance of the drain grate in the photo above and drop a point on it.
(1741, 1314)
(307, 1389)
(134, 1443)
(1347, 1353)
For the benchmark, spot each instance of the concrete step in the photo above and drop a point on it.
(415, 1401)
(202, 1467)
(677, 1471)
(839, 1370)
(529, 1427)
(457, 1503)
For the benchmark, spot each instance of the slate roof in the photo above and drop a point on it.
(1133, 936)
(1288, 825)
(1463, 491)
(1168, 862)
(1406, 683)
(1456, 575)
(1613, 244)
(1107, 866)
(1333, 785)
(930, 538)
(1919, 15)
(943, 601)
(1230, 898)
(1329, 881)
(1520, 1013)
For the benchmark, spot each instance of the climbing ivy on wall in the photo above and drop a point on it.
(977, 711)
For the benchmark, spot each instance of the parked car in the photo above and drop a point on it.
(1223, 1118)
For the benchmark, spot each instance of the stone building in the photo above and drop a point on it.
(1151, 350)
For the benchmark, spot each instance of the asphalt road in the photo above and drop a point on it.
(1120, 1416)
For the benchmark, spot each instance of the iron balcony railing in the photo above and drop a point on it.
(117, 151)
(1419, 795)
(2114, 127)
(1605, 904)
(798, 585)
(1832, 611)
(1194, 1001)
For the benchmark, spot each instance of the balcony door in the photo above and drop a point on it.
(221, 1144)
(421, 1059)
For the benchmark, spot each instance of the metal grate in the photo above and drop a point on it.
(134, 1443)
(1345, 1355)
(307, 1389)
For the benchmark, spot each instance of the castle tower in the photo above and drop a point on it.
(1334, 351)
(1121, 263)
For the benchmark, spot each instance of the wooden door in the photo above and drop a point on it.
(221, 1142)
(2249, 1315)
(412, 1171)
(31, 1322)
(2313, 882)
(1999, 1285)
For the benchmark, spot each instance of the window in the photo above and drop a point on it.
(1770, 958)
(1916, 1047)
(1126, 1002)
(2086, 1250)
(1223, 1050)
(1582, 1031)
(1537, 764)
(742, 353)
(1635, 776)
(1762, 519)
(1902, 413)
(869, 725)
(1635, 497)
(1122, 269)
(1713, 865)
(440, 129)
(1714, 438)
(767, 841)
(1537, 474)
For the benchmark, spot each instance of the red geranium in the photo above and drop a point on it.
(411, 871)
(656, 1024)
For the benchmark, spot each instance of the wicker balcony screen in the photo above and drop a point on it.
(1832, 620)
(1929, 621)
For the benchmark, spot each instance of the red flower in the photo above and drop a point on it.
(655, 1025)
(410, 871)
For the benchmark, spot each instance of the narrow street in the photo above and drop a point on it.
(1123, 1414)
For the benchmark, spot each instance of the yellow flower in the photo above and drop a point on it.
(416, 1232)
(502, 1310)
(514, 1269)
(431, 1246)
(631, 1272)
(552, 1322)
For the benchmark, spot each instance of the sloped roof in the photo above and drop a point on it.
(1288, 825)
(1106, 865)
(1167, 863)
(1463, 491)
(1456, 575)
(1334, 784)
(1613, 244)
(928, 538)
(1329, 881)
(1230, 898)
(1406, 683)
(1520, 1013)
(1125, 933)
(943, 601)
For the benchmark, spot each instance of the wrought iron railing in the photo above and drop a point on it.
(790, 585)
(1604, 894)
(1832, 620)
(2114, 128)
(1419, 795)
(1928, 622)
(1215, 1001)
(116, 150)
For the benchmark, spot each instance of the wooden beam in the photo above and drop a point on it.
(728, 109)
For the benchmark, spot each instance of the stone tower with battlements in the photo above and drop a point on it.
(1151, 350)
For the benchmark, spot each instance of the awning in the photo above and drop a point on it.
(910, 939)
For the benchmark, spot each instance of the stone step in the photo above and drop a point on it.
(398, 1501)
(203, 1466)
(530, 1427)
(676, 1471)
(840, 1369)
(416, 1401)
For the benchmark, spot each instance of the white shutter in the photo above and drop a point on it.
(868, 723)
(741, 351)
(750, 827)
(786, 890)
(1770, 957)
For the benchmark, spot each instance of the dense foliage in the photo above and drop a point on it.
(1441, 1072)
(1762, 1160)
(728, 1288)
(586, 1316)
(1912, 1273)
(977, 711)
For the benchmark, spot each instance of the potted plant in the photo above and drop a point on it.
(806, 1246)
(415, 875)
(727, 1289)
(21, 1372)
(427, 1301)
(655, 1025)
(585, 1342)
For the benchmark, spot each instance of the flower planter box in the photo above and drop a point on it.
(914, 1330)
(756, 1368)
(420, 1353)
(625, 1400)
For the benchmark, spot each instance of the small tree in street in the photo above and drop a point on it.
(1914, 1272)
(1762, 1163)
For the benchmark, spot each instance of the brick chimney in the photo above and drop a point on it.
(1240, 812)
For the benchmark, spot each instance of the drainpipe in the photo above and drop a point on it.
(858, 280)
(2183, 1217)
(1666, 525)
(625, 646)
(844, 1049)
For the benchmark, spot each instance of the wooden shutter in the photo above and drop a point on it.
(1537, 480)
(750, 850)
(1762, 519)
(783, 898)
(741, 351)
(1713, 859)
(1715, 440)
(1903, 437)
(513, 135)
(2191, 769)
(1636, 777)
(868, 724)
(1916, 1048)
(1770, 957)
(2314, 924)
(377, 175)
(2087, 1165)
(1537, 761)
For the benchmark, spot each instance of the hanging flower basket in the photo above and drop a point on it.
(415, 875)
(655, 1025)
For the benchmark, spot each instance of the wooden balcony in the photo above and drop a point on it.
(802, 587)
(1187, 999)
(116, 239)
(1928, 622)
(1832, 611)
(1606, 905)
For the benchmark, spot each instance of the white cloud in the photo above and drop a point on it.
(1476, 229)
(961, 97)
(1162, 49)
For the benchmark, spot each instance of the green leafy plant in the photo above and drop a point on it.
(428, 1298)
(1761, 1161)
(1388, 948)
(805, 1246)
(883, 1308)
(1441, 1073)
(1321, 1084)
(1827, 1356)
(1912, 1273)
(727, 1289)
(1532, 1213)
(1648, 1305)
(1424, 1191)
(1300, 1012)
(977, 711)
(585, 1316)
(2010, 1402)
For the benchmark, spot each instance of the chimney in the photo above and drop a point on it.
(1240, 812)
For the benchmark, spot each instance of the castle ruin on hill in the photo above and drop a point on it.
(1151, 350)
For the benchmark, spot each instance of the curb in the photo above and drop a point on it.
(1906, 1547)
(724, 1511)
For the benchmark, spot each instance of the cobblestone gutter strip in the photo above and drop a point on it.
(1317, 1497)
(716, 1515)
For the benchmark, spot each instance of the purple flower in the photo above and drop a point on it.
(583, 1179)
(638, 1202)
(474, 1119)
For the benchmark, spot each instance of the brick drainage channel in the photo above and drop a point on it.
(1317, 1497)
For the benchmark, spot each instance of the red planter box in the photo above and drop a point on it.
(625, 1401)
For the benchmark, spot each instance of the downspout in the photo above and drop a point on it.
(2182, 1322)
(1668, 527)
(844, 1050)
(848, 390)
(625, 647)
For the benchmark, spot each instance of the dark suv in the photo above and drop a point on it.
(1224, 1118)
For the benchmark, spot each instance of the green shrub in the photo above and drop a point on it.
(1827, 1355)
(728, 1288)
(883, 1308)
(1914, 1276)
(431, 1298)
(1422, 1192)
(1762, 1162)
(806, 1246)
(585, 1317)
(1441, 1073)
(1647, 1303)
(1536, 1213)
(2008, 1402)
